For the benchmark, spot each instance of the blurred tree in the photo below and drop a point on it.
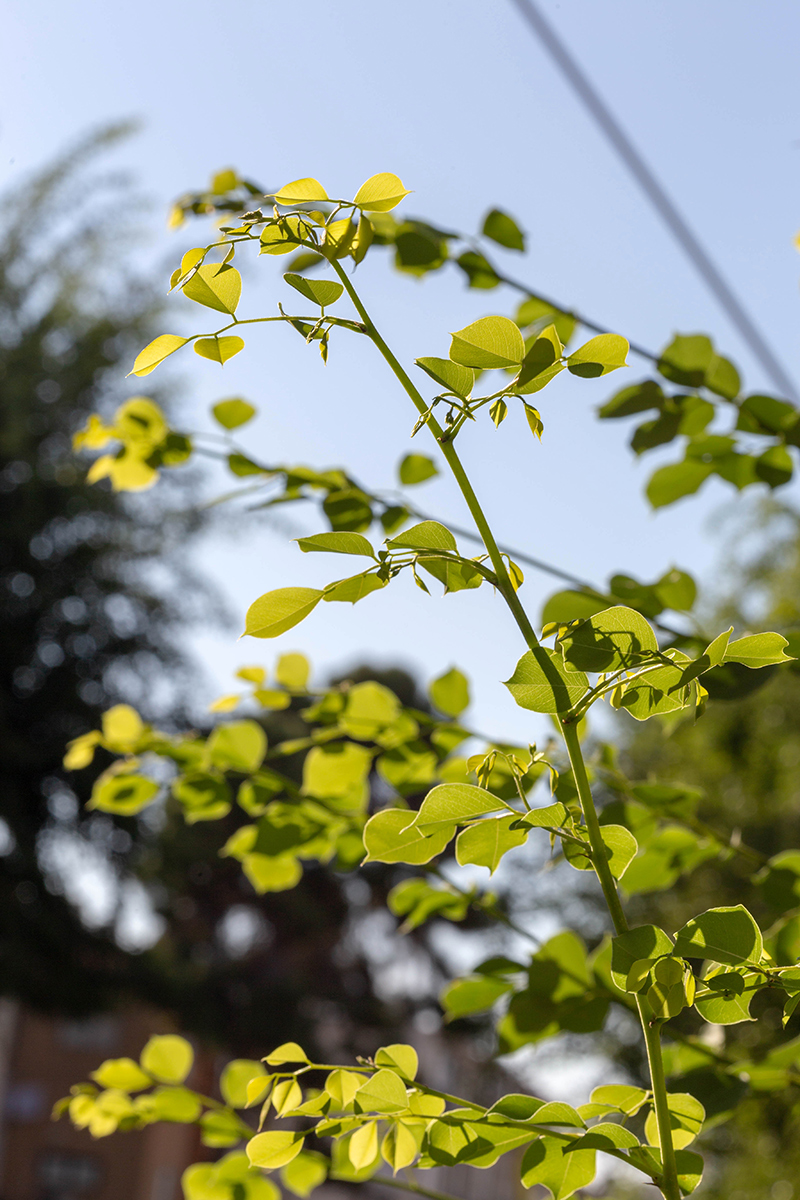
(81, 619)
(745, 756)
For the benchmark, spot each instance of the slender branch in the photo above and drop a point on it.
(652, 1037)
(599, 854)
(448, 450)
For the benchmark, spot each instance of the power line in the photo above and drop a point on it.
(658, 197)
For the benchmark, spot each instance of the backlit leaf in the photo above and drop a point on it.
(301, 191)
(391, 836)
(234, 412)
(488, 343)
(725, 935)
(454, 802)
(319, 291)
(541, 683)
(215, 285)
(599, 356)
(168, 1058)
(337, 543)
(275, 1148)
(450, 692)
(381, 193)
(416, 468)
(218, 349)
(503, 229)
(450, 375)
(148, 359)
(276, 612)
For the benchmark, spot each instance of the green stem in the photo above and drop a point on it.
(453, 461)
(599, 855)
(652, 1036)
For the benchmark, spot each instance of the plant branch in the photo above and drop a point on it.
(652, 1037)
(407, 1185)
(453, 461)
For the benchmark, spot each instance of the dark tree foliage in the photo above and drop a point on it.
(80, 619)
(745, 756)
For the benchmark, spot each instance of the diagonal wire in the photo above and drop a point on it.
(658, 197)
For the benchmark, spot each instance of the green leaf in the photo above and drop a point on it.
(239, 746)
(476, 994)
(275, 1148)
(765, 414)
(234, 1080)
(122, 1073)
(363, 1145)
(301, 191)
(416, 468)
(571, 606)
(292, 671)
(451, 803)
(557, 1113)
(503, 229)
(428, 535)
(319, 291)
(218, 349)
(148, 359)
(391, 836)
(348, 509)
(605, 1136)
(479, 271)
(450, 375)
(733, 991)
(627, 1099)
(384, 1093)
(562, 1173)
(337, 543)
(690, 360)
(485, 844)
(646, 941)
(276, 612)
(599, 356)
(350, 591)
(125, 794)
(175, 1104)
(516, 1105)
(204, 795)
(775, 466)
(287, 1052)
(640, 397)
(614, 639)
(455, 576)
(450, 692)
(304, 1173)
(400, 1057)
(551, 816)
(725, 935)
(686, 1117)
(168, 1058)
(381, 193)
(220, 1128)
(676, 590)
(677, 480)
(215, 285)
(542, 362)
(758, 650)
(621, 847)
(488, 343)
(337, 771)
(660, 690)
(234, 412)
(542, 684)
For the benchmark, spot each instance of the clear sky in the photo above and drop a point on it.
(457, 98)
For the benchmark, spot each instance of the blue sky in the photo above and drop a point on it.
(460, 101)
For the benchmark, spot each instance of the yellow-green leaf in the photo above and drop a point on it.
(168, 1058)
(319, 291)
(489, 343)
(381, 193)
(599, 356)
(218, 349)
(217, 286)
(275, 612)
(301, 191)
(275, 1148)
(148, 359)
(234, 412)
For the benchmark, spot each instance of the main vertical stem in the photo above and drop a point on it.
(652, 1036)
(670, 1185)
